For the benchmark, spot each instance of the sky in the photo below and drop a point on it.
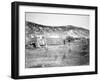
(50, 19)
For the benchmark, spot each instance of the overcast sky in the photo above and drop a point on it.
(58, 19)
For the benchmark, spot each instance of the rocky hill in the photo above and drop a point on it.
(68, 30)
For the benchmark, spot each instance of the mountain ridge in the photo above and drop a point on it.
(68, 30)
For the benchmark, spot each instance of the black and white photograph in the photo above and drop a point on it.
(50, 40)
(56, 40)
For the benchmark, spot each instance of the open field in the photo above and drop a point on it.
(56, 56)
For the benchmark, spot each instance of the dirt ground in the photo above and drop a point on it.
(56, 56)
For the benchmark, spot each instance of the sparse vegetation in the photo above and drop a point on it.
(68, 49)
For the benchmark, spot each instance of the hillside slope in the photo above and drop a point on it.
(68, 30)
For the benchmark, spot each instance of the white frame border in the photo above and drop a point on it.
(72, 69)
